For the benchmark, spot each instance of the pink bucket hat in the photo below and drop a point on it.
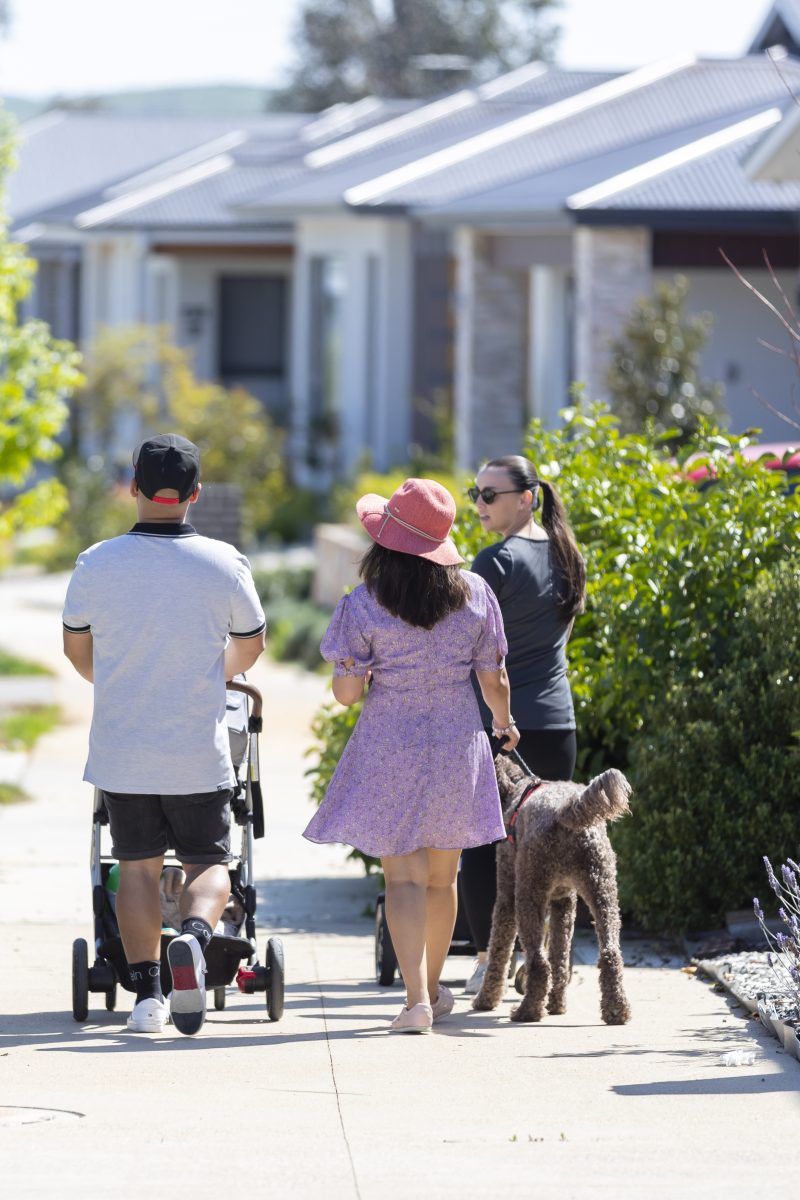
(417, 519)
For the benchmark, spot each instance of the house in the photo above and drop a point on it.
(482, 248)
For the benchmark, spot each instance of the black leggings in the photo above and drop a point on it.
(549, 753)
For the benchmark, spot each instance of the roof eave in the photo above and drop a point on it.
(745, 220)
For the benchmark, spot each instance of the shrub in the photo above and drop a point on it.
(281, 583)
(717, 770)
(295, 630)
(654, 370)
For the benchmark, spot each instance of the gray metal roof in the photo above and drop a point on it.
(206, 204)
(679, 105)
(548, 190)
(716, 181)
(432, 127)
(72, 161)
(65, 156)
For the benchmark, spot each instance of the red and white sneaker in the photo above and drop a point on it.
(187, 1001)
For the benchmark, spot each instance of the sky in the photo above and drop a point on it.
(77, 47)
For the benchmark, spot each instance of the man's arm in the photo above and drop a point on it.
(79, 649)
(241, 653)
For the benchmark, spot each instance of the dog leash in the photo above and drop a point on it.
(535, 782)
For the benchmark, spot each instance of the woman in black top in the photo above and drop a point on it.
(538, 576)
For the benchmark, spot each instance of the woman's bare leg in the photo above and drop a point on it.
(442, 904)
(406, 889)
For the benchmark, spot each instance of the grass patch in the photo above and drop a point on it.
(21, 730)
(11, 665)
(11, 793)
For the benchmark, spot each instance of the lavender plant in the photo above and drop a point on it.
(784, 952)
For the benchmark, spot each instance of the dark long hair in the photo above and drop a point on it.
(409, 587)
(571, 584)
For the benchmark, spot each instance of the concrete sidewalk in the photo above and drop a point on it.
(324, 1102)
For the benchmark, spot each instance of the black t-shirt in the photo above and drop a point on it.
(521, 573)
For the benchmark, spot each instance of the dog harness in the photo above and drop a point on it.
(510, 819)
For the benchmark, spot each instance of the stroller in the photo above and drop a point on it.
(227, 951)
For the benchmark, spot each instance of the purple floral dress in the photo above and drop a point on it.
(417, 771)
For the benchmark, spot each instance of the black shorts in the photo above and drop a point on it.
(197, 827)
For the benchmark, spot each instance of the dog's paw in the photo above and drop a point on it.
(524, 1013)
(556, 1005)
(483, 1002)
(620, 1014)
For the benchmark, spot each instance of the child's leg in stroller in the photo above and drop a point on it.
(139, 908)
(205, 893)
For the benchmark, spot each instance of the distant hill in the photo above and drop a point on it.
(214, 101)
(22, 109)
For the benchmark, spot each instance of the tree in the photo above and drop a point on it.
(37, 374)
(349, 49)
(653, 376)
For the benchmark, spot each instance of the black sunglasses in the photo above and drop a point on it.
(488, 495)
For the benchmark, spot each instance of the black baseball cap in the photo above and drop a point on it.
(167, 461)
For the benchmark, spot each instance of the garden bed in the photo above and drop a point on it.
(752, 982)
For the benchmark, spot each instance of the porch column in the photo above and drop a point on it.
(612, 270)
(491, 380)
(549, 344)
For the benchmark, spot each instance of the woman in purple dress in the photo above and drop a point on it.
(416, 782)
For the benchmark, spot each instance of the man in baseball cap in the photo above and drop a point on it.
(158, 619)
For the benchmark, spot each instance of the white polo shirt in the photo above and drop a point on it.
(160, 603)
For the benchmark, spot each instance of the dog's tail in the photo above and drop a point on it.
(604, 799)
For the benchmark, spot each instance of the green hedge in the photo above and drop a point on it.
(717, 770)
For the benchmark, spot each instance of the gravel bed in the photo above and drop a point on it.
(750, 979)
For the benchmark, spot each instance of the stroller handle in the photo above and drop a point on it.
(253, 693)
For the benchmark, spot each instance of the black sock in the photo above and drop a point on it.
(146, 980)
(199, 929)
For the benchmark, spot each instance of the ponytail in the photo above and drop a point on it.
(572, 591)
(571, 587)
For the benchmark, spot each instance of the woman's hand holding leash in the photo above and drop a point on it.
(508, 734)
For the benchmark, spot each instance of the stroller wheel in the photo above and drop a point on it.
(275, 979)
(520, 980)
(111, 998)
(385, 957)
(219, 998)
(80, 979)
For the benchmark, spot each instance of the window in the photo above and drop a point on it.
(252, 330)
(327, 297)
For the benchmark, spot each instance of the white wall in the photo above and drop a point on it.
(385, 431)
(733, 354)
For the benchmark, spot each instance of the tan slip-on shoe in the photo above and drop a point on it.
(443, 1004)
(417, 1019)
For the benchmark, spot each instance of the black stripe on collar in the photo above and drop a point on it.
(170, 529)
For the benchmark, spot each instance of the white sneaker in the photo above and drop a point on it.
(475, 981)
(187, 1001)
(148, 1016)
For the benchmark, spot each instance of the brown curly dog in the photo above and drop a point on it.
(558, 849)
